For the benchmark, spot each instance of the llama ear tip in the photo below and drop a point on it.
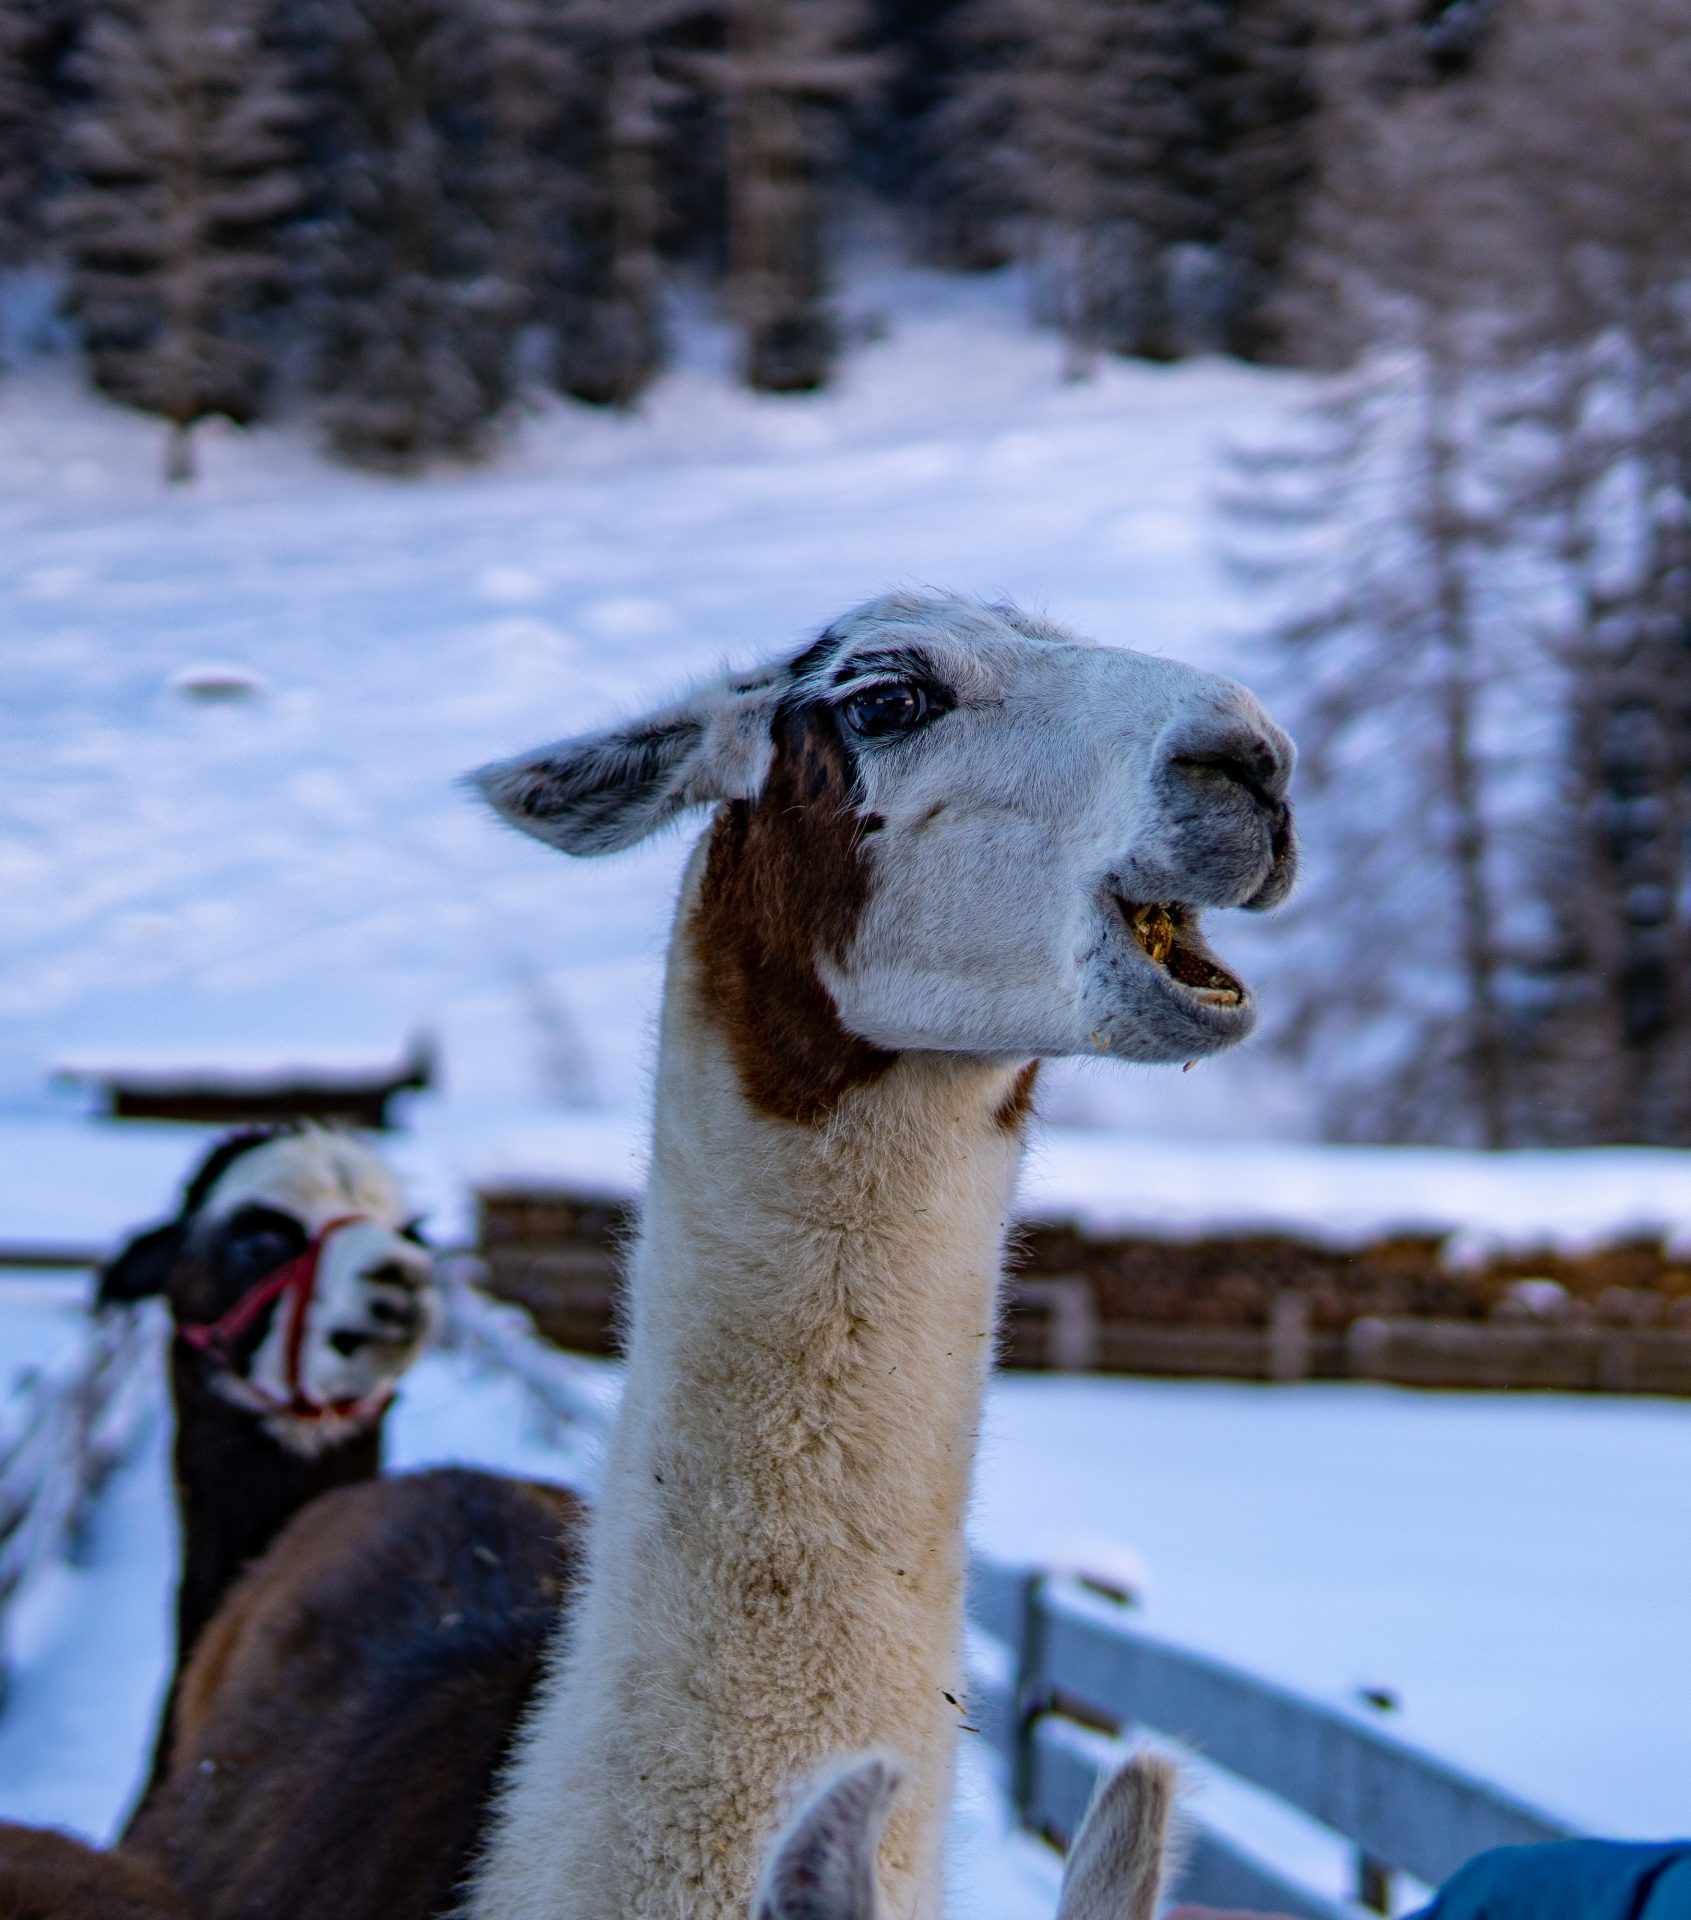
(493, 784)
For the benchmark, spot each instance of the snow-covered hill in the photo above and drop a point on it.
(231, 715)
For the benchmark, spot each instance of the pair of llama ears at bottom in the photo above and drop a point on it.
(606, 791)
(822, 1864)
(143, 1269)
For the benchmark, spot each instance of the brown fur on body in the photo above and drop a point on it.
(236, 1489)
(340, 1725)
(53, 1876)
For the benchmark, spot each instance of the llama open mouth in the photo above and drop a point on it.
(1168, 934)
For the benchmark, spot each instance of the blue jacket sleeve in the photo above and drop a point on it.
(1571, 1880)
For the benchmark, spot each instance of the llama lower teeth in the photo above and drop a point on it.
(1216, 996)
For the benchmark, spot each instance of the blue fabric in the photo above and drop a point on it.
(1571, 1880)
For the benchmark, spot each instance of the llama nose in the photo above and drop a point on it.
(1246, 749)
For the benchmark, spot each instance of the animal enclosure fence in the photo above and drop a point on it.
(1061, 1671)
(1612, 1319)
(70, 1426)
(1066, 1672)
(573, 1399)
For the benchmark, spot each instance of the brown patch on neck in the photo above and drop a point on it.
(784, 883)
(1017, 1104)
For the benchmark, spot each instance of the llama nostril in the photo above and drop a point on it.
(346, 1343)
(1254, 767)
(393, 1273)
(394, 1313)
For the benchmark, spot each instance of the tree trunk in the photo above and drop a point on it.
(1485, 1054)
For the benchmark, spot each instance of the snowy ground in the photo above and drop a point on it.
(294, 873)
(297, 871)
(1518, 1571)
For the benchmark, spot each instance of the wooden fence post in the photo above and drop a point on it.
(1288, 1338)
(1374, 1877)
(1028, 1700)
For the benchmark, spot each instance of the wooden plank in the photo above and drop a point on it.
(1396, 1803)
(1571, 1359)
(1066, 1763)
(997, 1599)
(1220, 1873)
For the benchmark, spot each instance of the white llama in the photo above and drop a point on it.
(951, 839)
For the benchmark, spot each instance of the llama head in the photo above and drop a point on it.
(292, 1271)
(972, 831)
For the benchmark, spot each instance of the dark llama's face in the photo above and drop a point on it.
(261, 1211)
(988, 836)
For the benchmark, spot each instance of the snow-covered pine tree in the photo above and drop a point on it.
(415, 327)
(1590, 108)
(788, 71)
(976, 215)
(1094, 112)
(602, 306)
(1262, 98)
(23, 130)
(533, 97)
(183, 181)
(900, 141)
(1416, 696)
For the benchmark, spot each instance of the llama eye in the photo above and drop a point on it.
(258, 1244)
(899, 707)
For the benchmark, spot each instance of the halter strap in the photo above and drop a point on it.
(296, 1278)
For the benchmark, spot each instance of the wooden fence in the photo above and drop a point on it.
(1070, 1672)
(1061, 1670)
(1233, 1307)
(62, 1436)
(573, 1399)
(1077, 1673)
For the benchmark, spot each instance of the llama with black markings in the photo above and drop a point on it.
(299, 1293)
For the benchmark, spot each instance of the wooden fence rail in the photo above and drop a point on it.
(72, 1424)
(1081, 1672)
(1071, 1671)
(1063, 1672)
(575, 1399)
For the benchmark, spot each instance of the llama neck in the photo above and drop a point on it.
(775, 1577)
(237, 1487)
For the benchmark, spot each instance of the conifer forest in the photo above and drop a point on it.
(1462, 228)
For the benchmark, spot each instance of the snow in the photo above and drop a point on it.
(1516, 1570)
(294, 875)
(298, 871)
(240, 885)
(249, 1066)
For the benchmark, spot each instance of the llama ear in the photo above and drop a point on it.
(1121, 1853)
(822, 1865)
(142, 1269)
(607, 791)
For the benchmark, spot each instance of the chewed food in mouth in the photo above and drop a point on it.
(1168, 934)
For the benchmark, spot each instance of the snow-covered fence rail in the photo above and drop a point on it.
(575, 1398)
(1078, 1672)
(71, 1424)
(1062, 1670)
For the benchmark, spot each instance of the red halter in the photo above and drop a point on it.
(296, 1277)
